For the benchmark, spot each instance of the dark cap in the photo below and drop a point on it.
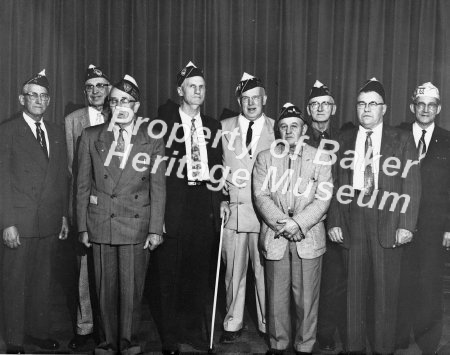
(248, 82)
(129, 85)
(188, 71)
(373, 85)
(318, 89)
(39, 79)
(290, 110)
(94, 72)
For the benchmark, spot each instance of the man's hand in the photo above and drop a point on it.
(402, 236)
(153, 241)
(290, 230)
(335, 234)
(11, 237)
(64, 229)
(225, 211)
(446, 241)
(83, 238)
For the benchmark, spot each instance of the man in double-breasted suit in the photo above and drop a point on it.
(373, 213)
(194, 152)
(96, 89)
(249, 133)
(120, 209)
(33, 194)
(420, 301)
(292, 193)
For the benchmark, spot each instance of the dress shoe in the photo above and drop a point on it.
(47, 344)
(274, 352)
(327, 346)
(171, 352)
(78, 341)
(229, 337)
(14, 349)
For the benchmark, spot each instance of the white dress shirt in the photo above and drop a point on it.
(32, 124)
(256, 131)
(186, 121)
(95, 116)
(358, 172)
(417, 132)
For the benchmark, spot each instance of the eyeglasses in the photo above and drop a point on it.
(432, 107)
(99, 86)
(34, 96)
(284, 128)
(247, 99)
(124, 101)
(363, 105)
(323, 105)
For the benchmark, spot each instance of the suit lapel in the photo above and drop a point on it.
(29, 143)
(55, 156)
(266, 138)
(387, 150)
(103, 145)
(350, 144)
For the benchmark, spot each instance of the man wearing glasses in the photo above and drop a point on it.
(33, 195)
(240, 237)
(96, 89)
(420, 308)
(321, 109)
(371, 233)
(120, 212)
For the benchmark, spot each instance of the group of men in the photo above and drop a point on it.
(347, 229)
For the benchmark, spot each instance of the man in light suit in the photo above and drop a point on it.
(96, 90)
(240, 235)
(373, 213)
(292, 193)
(192, 217)
(120, 210)
(420, 302)
(33, 194)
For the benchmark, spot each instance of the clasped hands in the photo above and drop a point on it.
(151, 243)
(290, 230)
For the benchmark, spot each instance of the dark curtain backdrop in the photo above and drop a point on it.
(287, 43)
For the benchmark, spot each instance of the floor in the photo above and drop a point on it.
(249, 343)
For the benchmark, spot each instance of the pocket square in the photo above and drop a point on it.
(93, 200)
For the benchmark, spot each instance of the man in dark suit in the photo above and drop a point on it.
(192, 213)
(374, 212)
(420, 302)
(33, 192)
(96, 89)
(321, 109)
(120, 210)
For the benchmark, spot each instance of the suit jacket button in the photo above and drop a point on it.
(136, 216)
(113, 215)
(136, 197)
(113, 196)
(143, 178)
(105, 176)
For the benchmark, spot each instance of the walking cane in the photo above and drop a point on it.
(211, 347)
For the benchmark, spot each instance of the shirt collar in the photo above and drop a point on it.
(376, 130)
(30, 121)
(419, 129)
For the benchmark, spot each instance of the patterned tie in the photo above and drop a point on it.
(40, 135)
(120, 142)
(248, 139)
(369, 179)
(195, 153)
(422, 151)
(99, 119)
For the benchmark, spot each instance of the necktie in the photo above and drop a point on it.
(120, 142)
(248, 139)
(422, 146)
(40, 135)
(369, 178)
(195, 153)
(325, 135)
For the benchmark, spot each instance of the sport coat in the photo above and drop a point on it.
(310, 206)
(243, 217)
(114, 205)
(177, 183)
(33, 187)
(394, 143)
